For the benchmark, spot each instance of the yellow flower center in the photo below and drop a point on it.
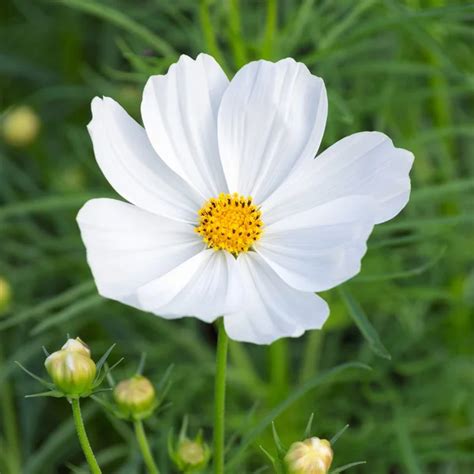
(230, 222)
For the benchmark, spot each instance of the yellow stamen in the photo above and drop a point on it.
(230, 222)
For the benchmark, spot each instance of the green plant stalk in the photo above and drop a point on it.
(210, 35)
(13, 455)
(83, 439)
(145, 448)
(219, 397)
(278, 361)
(270, 29)
(312, 355)
(235, 34)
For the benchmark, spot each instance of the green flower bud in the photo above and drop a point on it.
(21, 126)
(312, 456)
(5, 295)
(189, 455)
(136, 397)
(192, 454)
(72, 371)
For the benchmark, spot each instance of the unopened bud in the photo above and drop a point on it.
(5, 295)
(189, 455)
(77, 345)
(312, 456)
(136, 397)
(21, 125)
(193, 455)
(71, 369)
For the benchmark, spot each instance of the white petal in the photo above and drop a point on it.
(128, 247)
(179, 110)
(205, 286)
(132, 167)
(271, 118)
(271, 308)
(320, 248)
(365, 163)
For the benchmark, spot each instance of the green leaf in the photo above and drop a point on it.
(68, 313)
(309, 425)
(165, 383)
(405, 273)
(267, 454)
(141, 364)
(104, 358)
(276, 438)
(338, 434)
(99, 379)
(117, 17)
(364, 325)
(36, 377)
(50, 393)
(347, 466)
(46, 306)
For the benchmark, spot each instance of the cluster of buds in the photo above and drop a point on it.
(71, 369)
(189, 455)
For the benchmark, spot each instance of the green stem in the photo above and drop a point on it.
(209, 34)
(7, 404)
(235, 34)
(145, 448)
(219, 401)
(278, 358)
(270, 29)
(83, 439)
(312, 355)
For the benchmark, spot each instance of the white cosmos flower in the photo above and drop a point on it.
(228, 211)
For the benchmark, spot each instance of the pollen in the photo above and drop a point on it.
(230, 222)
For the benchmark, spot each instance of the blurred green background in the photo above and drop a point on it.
(401, 67)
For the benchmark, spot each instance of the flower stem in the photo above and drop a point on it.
(145, 448)
(219, 400)
(83, 439)
(278, 358)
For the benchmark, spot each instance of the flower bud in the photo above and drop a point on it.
(189, 455)
(192, 455)
(21, 125)
(5, 295)
(312, 456)
(72, 371)
(77, 345)
(136, 397)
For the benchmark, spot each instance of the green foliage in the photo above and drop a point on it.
(401, 67)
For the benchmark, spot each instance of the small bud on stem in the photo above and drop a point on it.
(136, 397)
(312, 456)
(71, 369)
